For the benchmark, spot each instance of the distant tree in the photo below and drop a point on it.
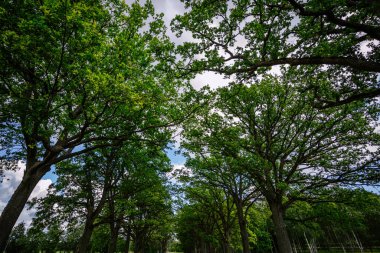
(339, 218)
(335, 41)
(80, 193)
(151, 210)
(143, 168)
(220, 208)
(196, 228)
(221, 173)
(95, 189)
(45, 239)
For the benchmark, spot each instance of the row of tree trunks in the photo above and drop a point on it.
(127, 240)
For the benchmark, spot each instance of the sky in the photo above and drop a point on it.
(10, 182)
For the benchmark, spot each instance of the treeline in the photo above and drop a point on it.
(111, 200)
(267, 143)
(209, 223)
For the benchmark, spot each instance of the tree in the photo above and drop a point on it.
(340, 217)
(221, 212)
(80, 192)
(46, 240)
(196, 228)
(18, 241)
(221, 173)
(151, 209)
(77, 76)
(95, 188)
(142, 169)
(288, 148)
(338, 41)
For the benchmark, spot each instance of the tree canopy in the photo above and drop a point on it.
(282, 159)
(81, 75)
(289, 149)
(337, 41)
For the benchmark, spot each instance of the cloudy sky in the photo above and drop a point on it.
(10, 182)
(171, 8)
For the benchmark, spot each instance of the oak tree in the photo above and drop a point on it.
(288, 148)
(76, 76)
(337, 41)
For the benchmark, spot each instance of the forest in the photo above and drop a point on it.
(190, 126)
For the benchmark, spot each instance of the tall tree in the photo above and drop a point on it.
(288, 148)
(221, 173)
(76, 76)
(141, 169)
(96, 189)
(80, 192)
(150, 210)
(336, 40)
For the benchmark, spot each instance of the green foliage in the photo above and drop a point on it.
(93, 88)
(329, 44)
(83, 73)
(18, 241)
(78, 76)
(338, 217)
(270, 133)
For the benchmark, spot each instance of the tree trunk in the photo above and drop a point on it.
(242, 226)
(226, 248)
(139, 243)
(17, 203)
(281, 234)
(128, 240)
(164, 245)
(115, 227)
(84, 240)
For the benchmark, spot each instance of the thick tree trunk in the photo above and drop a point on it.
(242, 226)
(84, 240)
(281, 234)
(17, 203)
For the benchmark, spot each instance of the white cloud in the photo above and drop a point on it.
(212, 79)
(8, 186)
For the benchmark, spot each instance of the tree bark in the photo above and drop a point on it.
(128, 240)
(139, 243)
(84, 240)
(226, 248)
(164, 245)
(115, 227)
(17, 203)
(242, 226)
(280, 231)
